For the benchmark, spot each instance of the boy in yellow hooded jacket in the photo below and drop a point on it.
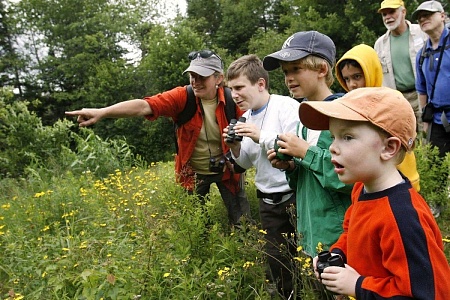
(361, 67)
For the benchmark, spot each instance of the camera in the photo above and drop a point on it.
(231, 135)
(216, 166)
(328, 260)
(428, 113)
(280, 155)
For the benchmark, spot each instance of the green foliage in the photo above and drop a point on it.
(25, 142)
(133, 235)
(263, 44)
(29, 148)
(434, 174)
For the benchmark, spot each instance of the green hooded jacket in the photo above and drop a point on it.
(322, 199)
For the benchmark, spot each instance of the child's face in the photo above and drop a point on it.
(300, 81)
(356, 151)
(245, 94)
(353, 77)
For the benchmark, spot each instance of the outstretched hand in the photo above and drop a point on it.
(86, 116)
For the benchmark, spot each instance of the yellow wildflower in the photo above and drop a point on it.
(38, 195)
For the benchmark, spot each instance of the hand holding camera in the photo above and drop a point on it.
(327, 260)
(280, 155)
(231, 135)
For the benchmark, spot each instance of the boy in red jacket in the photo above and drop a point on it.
(391, 243)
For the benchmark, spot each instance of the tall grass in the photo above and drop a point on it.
(132, 235)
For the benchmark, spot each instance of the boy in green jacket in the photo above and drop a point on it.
(307, 59)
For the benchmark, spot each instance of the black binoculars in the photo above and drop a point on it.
(280, 155)
(216, 166)
(328, 260)
(231, 135)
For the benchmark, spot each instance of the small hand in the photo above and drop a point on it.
(276, 162)
(248, 129)
(292, 145)
(339, 280)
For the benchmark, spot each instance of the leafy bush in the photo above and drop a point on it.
(434, 174)
(30, 149)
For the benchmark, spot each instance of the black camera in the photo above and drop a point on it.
(328, 260)
(231, 135)
(216, 166)
(280, 155)
(428, 113)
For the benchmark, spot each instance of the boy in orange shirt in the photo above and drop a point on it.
(391, 242)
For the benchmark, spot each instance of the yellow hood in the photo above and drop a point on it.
(369, 62)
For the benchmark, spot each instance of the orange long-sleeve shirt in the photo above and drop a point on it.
(391, 238)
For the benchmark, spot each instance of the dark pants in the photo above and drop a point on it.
(277, 221)
(440, 138)
(236, 204)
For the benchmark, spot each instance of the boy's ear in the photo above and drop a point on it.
(323, 71)
(392, 146)
(261, 84)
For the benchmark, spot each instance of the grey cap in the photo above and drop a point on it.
(431, 6)
(205, 66)
(300, 45)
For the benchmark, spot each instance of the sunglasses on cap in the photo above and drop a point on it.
(203, 54)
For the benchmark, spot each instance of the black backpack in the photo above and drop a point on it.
(191, 107)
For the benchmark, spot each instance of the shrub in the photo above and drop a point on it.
(434, 174)
(30, 149)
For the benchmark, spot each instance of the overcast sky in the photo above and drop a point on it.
(181, 5)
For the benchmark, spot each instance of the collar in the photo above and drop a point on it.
(260, 110)
(444, 33)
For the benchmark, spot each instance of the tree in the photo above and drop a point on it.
(9, 61)
(76, 58)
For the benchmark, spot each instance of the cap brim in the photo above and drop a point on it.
(272, 61)
(415, 13)
(202, 71)
(388, 7)
(316, 114)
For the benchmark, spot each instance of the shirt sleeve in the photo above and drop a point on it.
(421, 86)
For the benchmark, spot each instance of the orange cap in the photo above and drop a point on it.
(384, 107)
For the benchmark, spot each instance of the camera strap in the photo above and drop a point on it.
(204, 124)
(431, 58)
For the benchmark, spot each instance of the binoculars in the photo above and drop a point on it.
(280, 155)
(328, 260)
(231, 135)
(216, 166)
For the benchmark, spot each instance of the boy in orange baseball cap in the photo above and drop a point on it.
(391, 243)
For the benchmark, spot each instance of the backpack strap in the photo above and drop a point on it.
(189, 108)
(230, 106)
